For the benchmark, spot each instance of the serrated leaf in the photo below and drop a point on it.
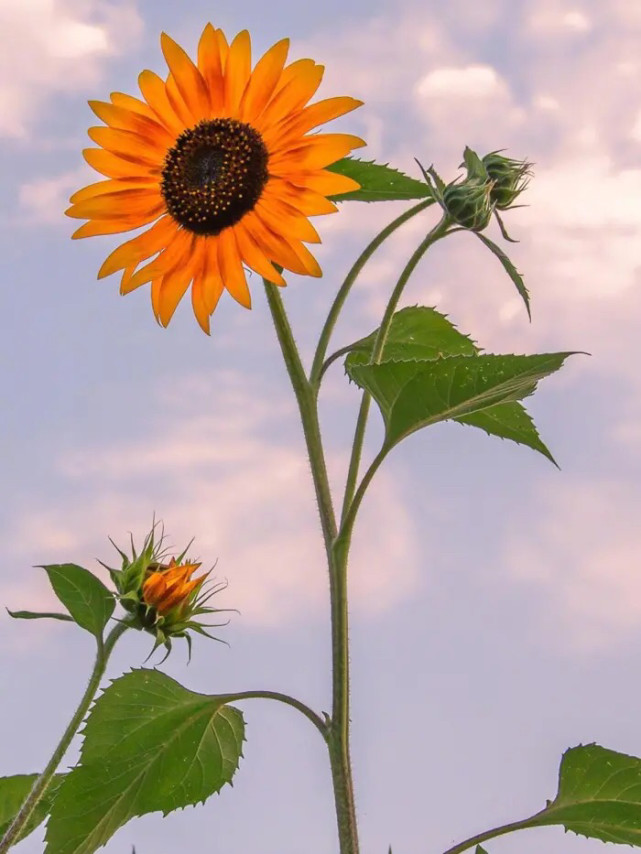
(149, 745)
(599, 796)
(417, 393)
(39, 615)
(13, 793)
(379, 182)
(86, 598)
(509, 268)
(508, 420)
(417, 332)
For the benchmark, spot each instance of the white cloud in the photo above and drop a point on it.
(243, 490)
(45, 199)
(583, 552)
(56, 46)
(470, 81)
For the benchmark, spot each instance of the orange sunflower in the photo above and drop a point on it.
(219, 158)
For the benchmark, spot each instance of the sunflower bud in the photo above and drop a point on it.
(510, 177)
(162, 598)
(469, 202)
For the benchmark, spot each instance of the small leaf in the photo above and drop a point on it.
(39, 615)
(480, 850)
(379, 182)
(150, 745)
(87, 599)
(509, 268)
(474, 165)
(13, 793)
(417, 332)
(599, 796)
(417, 393)
(508, 420)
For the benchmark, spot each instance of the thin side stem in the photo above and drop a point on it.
(439, 231)
(338, 731)
(493, 834)
(326, 333)
(318, 722)
(42, 783)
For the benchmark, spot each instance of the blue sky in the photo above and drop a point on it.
(496, 601)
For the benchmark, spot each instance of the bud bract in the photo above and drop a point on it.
(510, 177)
(469, 203)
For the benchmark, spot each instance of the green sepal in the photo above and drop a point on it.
(379, 182)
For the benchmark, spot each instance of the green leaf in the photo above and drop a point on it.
(13, 793)
(417, 393)
(508, 420)
(599, 796)
(38, 615)
(480, 850)
(379, 182)
(150, 745)
(509, 268)
(86, 598)
(417, 332)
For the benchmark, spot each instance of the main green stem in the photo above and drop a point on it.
(338, 729)
(42, 783)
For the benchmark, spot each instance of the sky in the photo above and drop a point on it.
(495, 600)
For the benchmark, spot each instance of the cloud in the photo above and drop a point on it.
(582, 553)
(44, 199)
(56, 46)
(237, 481)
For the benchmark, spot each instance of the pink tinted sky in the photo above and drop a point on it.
(482, 576)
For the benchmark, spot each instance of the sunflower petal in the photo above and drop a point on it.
(314, 152)
(324, 182)
(129, 146)
(120, 99)
(210, 64)
(263, 81)
(254, 257)
(276, 246)
(137, 202)
(101, 187)
(310, 117)
(231, 268)
(237, 71)
(174, 253)
(282, 218)
(188, 78)
(124, 119)
(305, 201)
(172, 289)
(113, 166)
(140, 247)
(292, 96)
(154, 91)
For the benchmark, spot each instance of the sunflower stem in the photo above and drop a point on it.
(44, 780)
(337, 731)
(440, 230)
(318, 369)
(310, 714)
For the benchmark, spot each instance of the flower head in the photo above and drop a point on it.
(509, 178)
(162, 598)
(469, 203)
(219, 157)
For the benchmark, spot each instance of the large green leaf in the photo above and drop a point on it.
(509, 420)
(86, 598)
(416, 393)
(150, 745)
(416, 332)
(379, 182)
(13, 793)
(599, 796)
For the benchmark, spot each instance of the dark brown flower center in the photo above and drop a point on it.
(214, 175)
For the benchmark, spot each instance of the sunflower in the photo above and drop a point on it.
(219, 161)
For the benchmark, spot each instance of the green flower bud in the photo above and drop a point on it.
(469, 203)
(510, 178)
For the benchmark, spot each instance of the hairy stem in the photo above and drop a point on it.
(42, 783)
(492, 834)
(318, 722)
(343, 292)
(338, 729)
(439, 231)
